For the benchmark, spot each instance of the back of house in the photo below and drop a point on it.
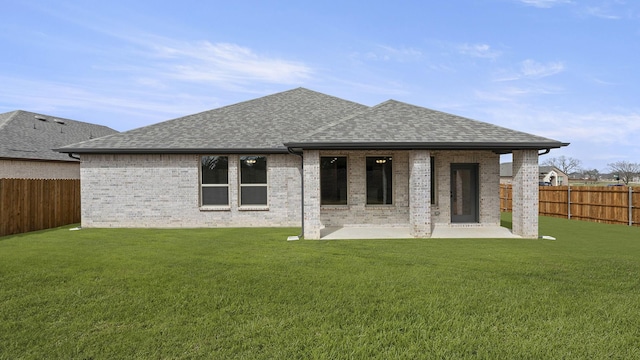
(303, 158)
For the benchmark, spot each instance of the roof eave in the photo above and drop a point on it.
(499, 147)
(35, 159)
(496, 147)
(173, 151)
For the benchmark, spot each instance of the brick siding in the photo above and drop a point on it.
(33, 169)
(525, 193)
(164, 191)
(489, 177)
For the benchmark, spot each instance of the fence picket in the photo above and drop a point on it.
(613, 205)
(36, 204)
(29, 204)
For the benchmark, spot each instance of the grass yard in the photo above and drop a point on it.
(250, 294)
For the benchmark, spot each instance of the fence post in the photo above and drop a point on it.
(569, 202)
(630, 206)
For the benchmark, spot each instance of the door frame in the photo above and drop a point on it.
(474, 216)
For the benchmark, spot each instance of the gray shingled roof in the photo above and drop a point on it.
(28, 135)
(308, 119)
(259, 125)
(395, 124)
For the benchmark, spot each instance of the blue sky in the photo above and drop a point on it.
(565, 69)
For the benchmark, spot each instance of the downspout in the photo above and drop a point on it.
(73, 157)
(299, 153)
(546, 151)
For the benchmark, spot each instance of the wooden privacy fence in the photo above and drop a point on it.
(36, 204)
(606, 204)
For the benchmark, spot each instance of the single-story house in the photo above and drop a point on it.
(27, 141)
(551, 175)
(548, 175)
(300, 157)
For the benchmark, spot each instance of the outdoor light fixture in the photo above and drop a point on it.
(381, 161)
(250, 161)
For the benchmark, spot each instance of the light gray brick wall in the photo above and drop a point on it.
(489, 173)
(489, 177)
(525, 193)
(420, 194)
(31, 169)
(164, 191)
(312, 223)
(357, 212)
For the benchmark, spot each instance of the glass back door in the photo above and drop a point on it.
(464, 193)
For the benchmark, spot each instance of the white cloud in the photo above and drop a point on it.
(596, 137)
(601, 13)
(224, 62)
(390, 53)
(604, 9)
(479, 50)
(101, 103)
(599, 128)
(545, 3)
(531, 69)
(511, 93)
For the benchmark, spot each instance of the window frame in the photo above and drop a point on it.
(433, 181)
(241, 160)
(391, 176)
(204, 185)
(346, 181)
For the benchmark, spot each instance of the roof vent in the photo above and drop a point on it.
(61, 122)
(40, 117)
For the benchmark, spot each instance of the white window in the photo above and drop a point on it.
(214, 181)
(253, 180)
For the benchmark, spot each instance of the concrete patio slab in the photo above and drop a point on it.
(474, 232)
(440, 232)
(358, 232)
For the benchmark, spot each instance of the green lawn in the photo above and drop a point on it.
(250, 294)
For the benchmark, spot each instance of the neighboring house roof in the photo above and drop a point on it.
(547, 169)
(506, 169)
(31, 136)
(301, 118)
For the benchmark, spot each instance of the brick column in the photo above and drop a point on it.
(525, 193)
(311, 175)
(420, 193)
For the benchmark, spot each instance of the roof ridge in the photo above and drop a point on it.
(9, 118)
(334, 123)
(346, 118)
(265, 123)
(32, 135)
(327, 95)
(85, 141)
(15, 113)
(237, 104)
(474, 121)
